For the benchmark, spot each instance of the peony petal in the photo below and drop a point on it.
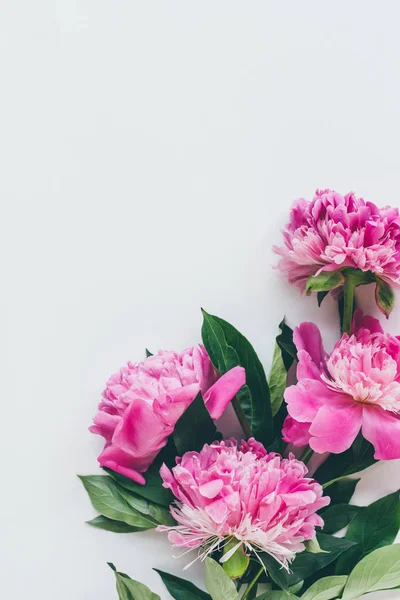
(171, 406)
(306, 367)
(334, 430)
(296, 433)
(221, 393)
(126, 471)
(365, 322)
(306, 398)
(307, 337)
(211, 488)
(382, 428)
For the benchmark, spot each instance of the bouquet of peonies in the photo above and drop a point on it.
(262, 512)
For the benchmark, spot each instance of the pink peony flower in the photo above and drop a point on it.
(261, 500)
(355, 387)
(334, 231)
(143, 401)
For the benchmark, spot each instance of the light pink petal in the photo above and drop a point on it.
(221, 393)
(334, 430)
(211, 488)
(306, 398)
(382, 429)
(307, 337)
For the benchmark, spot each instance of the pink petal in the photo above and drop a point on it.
(306, 367)
(382, 428)
(307, 337)
(221, 393)
(171, 406)
(365, 322)
(295, 432)
(131, 473)
(306, 398)
(211, 488)
(334, 430)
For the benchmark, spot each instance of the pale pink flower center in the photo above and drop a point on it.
(366, 372)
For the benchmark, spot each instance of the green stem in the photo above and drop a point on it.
(252, 583)
(308, 452)
(348, 304)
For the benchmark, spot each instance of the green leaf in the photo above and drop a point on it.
(326, 588)
(286, 344)
(313, 546)
(115, 526)
(375, 526)
(384, 296)
(324, 282)
(148, 353)
(228, 348)
(159, 514)
(338, 466)
(277, 380)
(306, 564)
(281, 595)
(218, 583)
(341, 492)
(180, 589)
(107, 500)
(153, 489)
(380, 570)
(195, 428)
(129, 589)
(321, 296)
(338, 516)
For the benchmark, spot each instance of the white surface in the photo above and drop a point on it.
(149, 154)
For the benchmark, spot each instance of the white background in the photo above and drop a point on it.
(149, 155)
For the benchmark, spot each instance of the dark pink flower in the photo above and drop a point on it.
(143, 401)
(261, 501)
(334, 231)
(355, 387)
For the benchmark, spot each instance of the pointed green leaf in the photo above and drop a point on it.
(380, 570)
(326, 588)
(338, 516)
(277, 380)
(305, 563)
(159, 514)
(324, 282)
(181, 589)
(153, 490)
(375, 526)
(148, 353)
(116, 526)
(342, 491)
(286, 344)
(321, 296)
(313, 546)
(107, 500)
(129, 589)
(195, 428)
(281, 595)
(384, 296)
(228, 348)
(218, 583)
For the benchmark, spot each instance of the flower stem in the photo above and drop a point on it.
(348, 304)
(252, 583)
(308, 452)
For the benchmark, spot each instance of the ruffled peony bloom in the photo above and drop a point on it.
(260, 500)
(333, 231)
(355, 387)
(143, 401)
